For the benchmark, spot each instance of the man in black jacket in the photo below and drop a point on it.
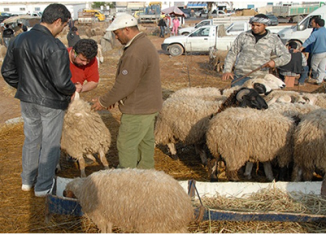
(162, 26)
(37, 65)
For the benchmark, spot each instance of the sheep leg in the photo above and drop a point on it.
(173, 151)
(296, 174)
(268, 171)
(202, 154)
(213, 170)
(103, 159)
(248, 170)
(82, 165)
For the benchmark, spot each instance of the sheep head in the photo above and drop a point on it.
(245, 97)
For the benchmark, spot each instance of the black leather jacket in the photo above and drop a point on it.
(37, 64)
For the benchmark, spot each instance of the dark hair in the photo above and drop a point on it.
(55, 11)
(261, 16)
(86, 47)
(320, 22)
(313, 18)
(293, 45)
(74, 29)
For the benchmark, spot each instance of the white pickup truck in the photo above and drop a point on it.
(206, 36)
(233, 28)
(198, 41)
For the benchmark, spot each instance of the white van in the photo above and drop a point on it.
(303, 29)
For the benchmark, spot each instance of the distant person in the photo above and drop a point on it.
(296, 66)
(7, 34)
(252, 49)
(162, 26)
(73, 36)
(36, 64)
(84, 65)
(318, 50)
(175, 25)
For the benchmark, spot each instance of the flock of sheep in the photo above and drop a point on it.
(290, 132)
(239, 125)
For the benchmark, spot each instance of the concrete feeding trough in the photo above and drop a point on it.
(56, 203)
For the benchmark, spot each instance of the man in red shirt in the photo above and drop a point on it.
(83, 64)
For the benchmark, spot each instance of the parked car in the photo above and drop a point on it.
(273, 19)
(215, 13)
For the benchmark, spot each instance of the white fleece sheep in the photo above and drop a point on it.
(309, 145)
(205, 93)
(84, 133)
(243, 134)
(184, 119)
(135, 200)
(270, 81)
(287, 109)
(290, 97)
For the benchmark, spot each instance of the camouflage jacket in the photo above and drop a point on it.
(247, 55)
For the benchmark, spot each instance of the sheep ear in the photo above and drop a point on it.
(241, 93)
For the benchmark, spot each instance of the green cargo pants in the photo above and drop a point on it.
(136, 141)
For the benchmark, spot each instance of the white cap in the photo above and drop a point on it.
(122, 21)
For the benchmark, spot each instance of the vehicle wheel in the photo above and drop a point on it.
(175, 50)
(185, 33)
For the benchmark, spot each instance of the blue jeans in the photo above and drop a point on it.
(240, 82)
(136, 142)
(41, 150)
(162, 31)
(304, 75)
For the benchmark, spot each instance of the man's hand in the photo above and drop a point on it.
(79, 87)
(270, 64)
(227, 76)
(97, 105)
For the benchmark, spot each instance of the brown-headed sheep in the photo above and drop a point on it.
(135, 200)
(84, 133)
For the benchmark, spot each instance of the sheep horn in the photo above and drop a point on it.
(241, 93)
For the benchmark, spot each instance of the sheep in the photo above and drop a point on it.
(289, 97)
(84, 132)
(135, 200)
(184, 119)
(217, 58)
(243, 134)
(291, 110)
(309, 146)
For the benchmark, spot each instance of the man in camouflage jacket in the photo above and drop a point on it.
(252, 49)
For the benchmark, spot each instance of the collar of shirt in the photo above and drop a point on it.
(128, 44)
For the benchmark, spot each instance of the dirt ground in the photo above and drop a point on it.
(21, 212)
